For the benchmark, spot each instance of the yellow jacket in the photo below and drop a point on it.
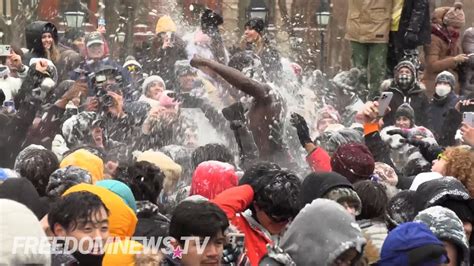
(87, 161)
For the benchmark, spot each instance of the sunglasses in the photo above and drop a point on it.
(442, 157)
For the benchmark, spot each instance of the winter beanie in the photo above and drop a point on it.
(87, 161)
(446, 226)
(354, 161)
(130, 60)
(412, 244)
(345, 195)
(256, 24)
(182, 68)
(212, 177)
(407, 64)
(455, 16)
(407, 111)
(461, 208)
(165, 24)
(447, 77)
(439, 190)
(64, 178)
(317, 185)
(150, 80)
(386, 173)
(121, 190)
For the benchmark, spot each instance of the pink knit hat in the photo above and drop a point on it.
(455, 16)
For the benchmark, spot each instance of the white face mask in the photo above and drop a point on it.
(442, 90)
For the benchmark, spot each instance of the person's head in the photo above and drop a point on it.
(463, 211)
(47, 40)
(445, 83)
(331, 186)
(457, 162)
(326, 116)
(80, 215)
(254, 29)
(448, 228)
(185, 74)
(386, 173)
(354, 161)
(201, 220)
(276, 200)
(170, 168)
(454, 19)
(412, 243)
(373, 197)
(132, 66)
(95, 45)
(153, 87)
(405, 74)
(468, 41)
(64, 178)
(326, 231)
(405, 116)
(331, 139)
(86, 160)
(211, 178)
(256, 171)
(401, 208)
(211, 152)
(164, 25)
(37, 165)
(145, 180)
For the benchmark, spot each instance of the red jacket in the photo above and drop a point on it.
(233, 202)
(319, 160)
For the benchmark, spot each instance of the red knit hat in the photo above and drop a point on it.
(212, 177)
(354, 161)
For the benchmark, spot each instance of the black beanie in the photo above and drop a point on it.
(316, 185)
(406, 110)
(256, 24)
(461, 208)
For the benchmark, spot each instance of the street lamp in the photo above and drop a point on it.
(121, 37)
(74, 16)
(258, 9)
(322, 18)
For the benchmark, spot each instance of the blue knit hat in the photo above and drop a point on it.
(412, 244)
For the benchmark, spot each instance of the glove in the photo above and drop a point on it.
(234, 112)
(210, 21)
(302, 129)
(401, 132)
(411, 39)
(429, 151)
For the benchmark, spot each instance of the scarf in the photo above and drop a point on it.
(441, 32)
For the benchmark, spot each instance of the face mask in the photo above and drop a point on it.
(442, 90)
(404, 80)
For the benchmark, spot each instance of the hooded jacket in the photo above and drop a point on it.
(121, 253)
(22, 190)
(335, 233)
(436, 191)
(234, 201)
(33, 35)
(447, 227)
(406, 238)
(122, 219)
(19, 222)
(121, 190)
(87, 161)
(212, 177)
(439, 54)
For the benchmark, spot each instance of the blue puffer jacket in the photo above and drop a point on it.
(437, 111)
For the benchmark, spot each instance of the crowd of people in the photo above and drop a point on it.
(282, 167)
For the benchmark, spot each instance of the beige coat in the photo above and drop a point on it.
(368, 21)
(438, 58)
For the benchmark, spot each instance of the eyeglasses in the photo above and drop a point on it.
(442, 157)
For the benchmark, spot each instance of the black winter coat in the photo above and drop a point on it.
(416, 18)
(417, 99)
(466, 77)
(437, 113)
